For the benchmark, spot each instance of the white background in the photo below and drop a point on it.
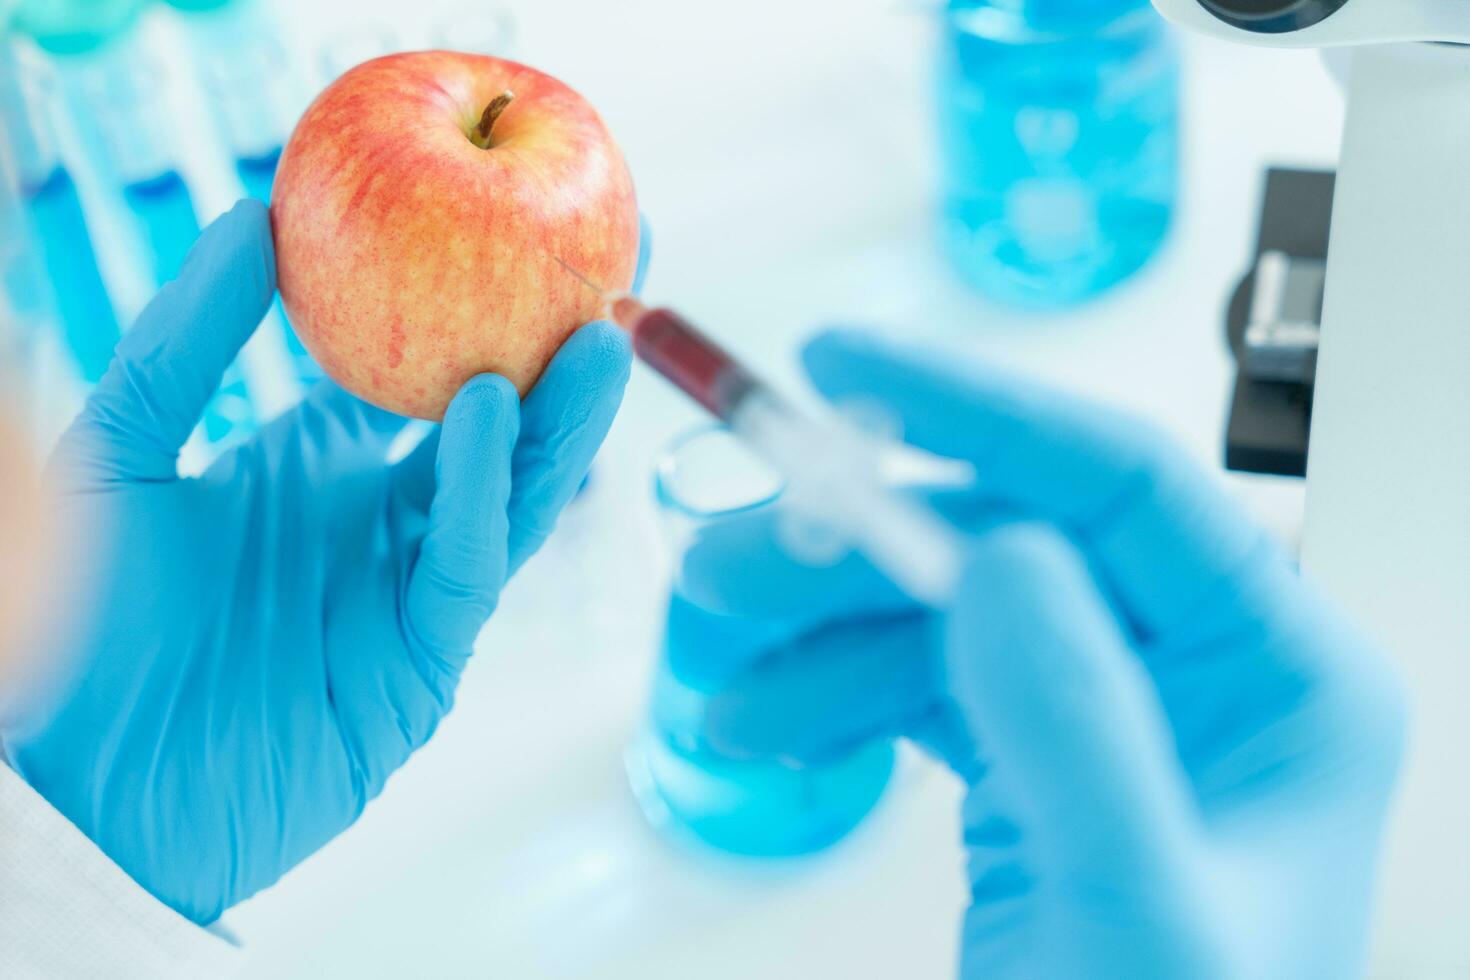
(784, 155)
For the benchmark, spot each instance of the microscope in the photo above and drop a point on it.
(1387, 523)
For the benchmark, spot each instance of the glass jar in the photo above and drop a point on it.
(710, 488)
(1058, 124)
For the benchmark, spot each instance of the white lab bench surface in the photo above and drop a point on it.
(784, 156)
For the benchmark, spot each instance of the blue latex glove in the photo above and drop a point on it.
(264, 645)
(1177, 757)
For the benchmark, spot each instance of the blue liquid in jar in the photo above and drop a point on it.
(1059, 132)
(88, 322)
(757, 808)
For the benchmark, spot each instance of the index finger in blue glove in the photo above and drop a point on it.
(169, 364)
(563, 422)
(565, 418)
(462, 564)
(1162, 535)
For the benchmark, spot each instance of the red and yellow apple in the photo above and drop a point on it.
(419, 211)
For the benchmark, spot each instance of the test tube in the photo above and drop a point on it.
(124, 97)
(54, 218)
(124, 93)
(251, 92)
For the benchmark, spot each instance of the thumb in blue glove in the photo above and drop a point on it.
(1085, 799)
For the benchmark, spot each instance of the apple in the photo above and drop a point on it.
(419, 210)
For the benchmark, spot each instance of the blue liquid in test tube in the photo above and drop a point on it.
(248, 80)
(88, 322)
(258, 173)
(55, 221)
(165, 214)
(125, 93)
(165, 217)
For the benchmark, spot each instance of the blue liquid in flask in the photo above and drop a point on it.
(1059, 131)
(750, 807)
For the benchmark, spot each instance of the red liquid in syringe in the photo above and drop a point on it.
(676, 349)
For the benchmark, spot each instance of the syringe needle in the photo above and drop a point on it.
(625, 310)
(581, 278)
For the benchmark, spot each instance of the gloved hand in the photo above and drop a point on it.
(1177, 755)
(255, 651)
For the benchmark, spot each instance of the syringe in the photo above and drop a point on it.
(832, 464)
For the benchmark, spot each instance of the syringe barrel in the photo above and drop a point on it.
(836, 468)
(700, 368)
(907, 542)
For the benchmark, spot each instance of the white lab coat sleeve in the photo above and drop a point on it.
(67, 911)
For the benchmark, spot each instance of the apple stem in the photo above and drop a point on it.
(481, 136)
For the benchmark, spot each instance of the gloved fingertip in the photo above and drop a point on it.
(259, 217)
(606, 347)
(483, 397)
(234, 252)
(249, 221)
(251, 216)
(479, 433)
(589, 372)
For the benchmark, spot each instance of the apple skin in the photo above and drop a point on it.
(410, 259)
